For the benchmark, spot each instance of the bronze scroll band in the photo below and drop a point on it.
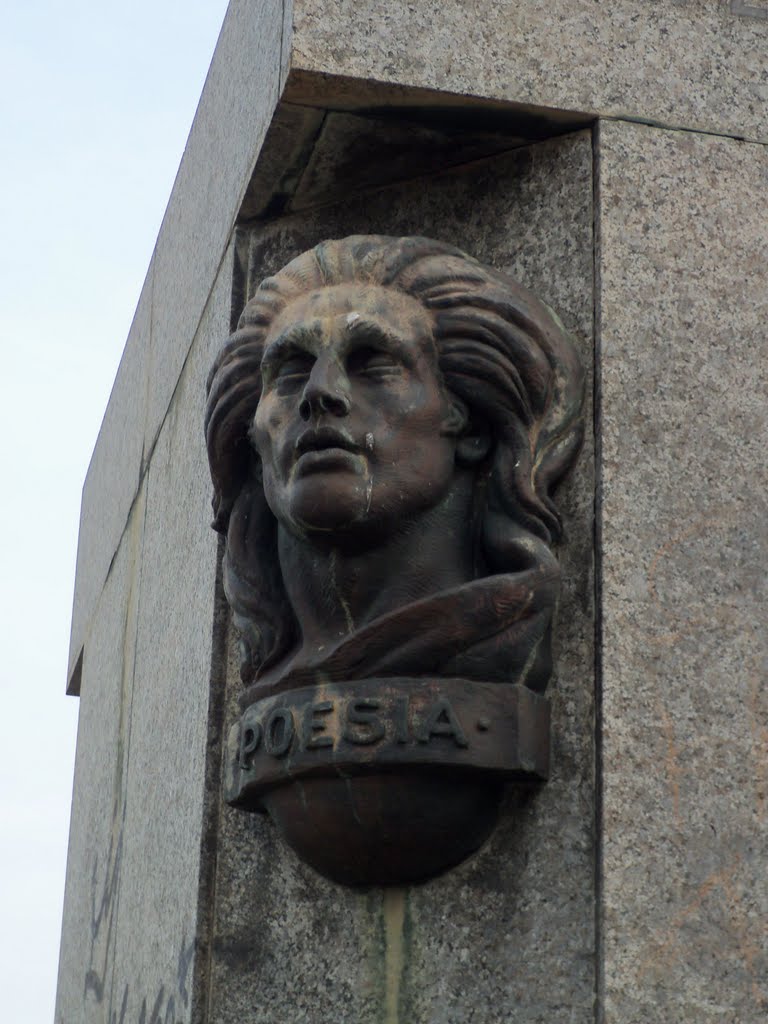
(371, 726)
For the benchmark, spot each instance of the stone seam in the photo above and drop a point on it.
(127, 769)
(206, 897)
(597, 528)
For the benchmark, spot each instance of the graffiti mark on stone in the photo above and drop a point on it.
(752, 10)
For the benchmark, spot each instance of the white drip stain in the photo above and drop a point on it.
(368, 494)
(369, 446)
(339, 595)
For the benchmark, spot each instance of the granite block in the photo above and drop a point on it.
(509, 934)
(113, 478)
(163, 832)
(130, 918)
(96, 838)
(357, 154)
(241, 92)
(284, 153)
(242, 89)
(686, 63)
(683, 509)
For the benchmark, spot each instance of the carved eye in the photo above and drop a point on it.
(294, 368)
(368, 359)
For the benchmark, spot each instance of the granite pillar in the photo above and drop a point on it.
(682, 514)
(612, 159)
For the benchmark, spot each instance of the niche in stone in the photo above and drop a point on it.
(385, 430)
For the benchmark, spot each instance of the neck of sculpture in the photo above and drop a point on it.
(338, 585)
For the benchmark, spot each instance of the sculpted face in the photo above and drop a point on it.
(396, 622)
(354, 429)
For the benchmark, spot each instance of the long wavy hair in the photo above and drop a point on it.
(500, 350)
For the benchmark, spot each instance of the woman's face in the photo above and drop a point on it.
(354, 428)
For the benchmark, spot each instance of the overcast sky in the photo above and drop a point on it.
(96, 101)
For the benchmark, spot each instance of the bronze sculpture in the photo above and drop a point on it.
(385, 429)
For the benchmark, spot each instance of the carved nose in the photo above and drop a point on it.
(325, 392)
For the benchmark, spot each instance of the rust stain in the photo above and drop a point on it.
(672, 761)
(722, 885)
(669, 945)
(394, 959)
(694, 530)
(727, 889)
(721, 616)
(748, 950)
(679, 625)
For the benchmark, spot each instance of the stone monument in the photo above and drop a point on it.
(602, 161)
(384, 430)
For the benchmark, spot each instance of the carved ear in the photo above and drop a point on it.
(456, 420)
(472, 444)
(473, 448)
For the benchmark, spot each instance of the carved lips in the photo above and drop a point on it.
(321, 448)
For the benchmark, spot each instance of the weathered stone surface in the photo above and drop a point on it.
(684, 306)
(311, 155)
(244, 84)
(101, 775)
(511, 930)
(691, 63)
(289, 141)
(137, 819)
(166, 780)
(113, 477)
(355, 154)
(684, 738)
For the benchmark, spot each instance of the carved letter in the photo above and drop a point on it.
(250, 737)
(401, 720)
(361, 711)
(312, 725)
(441, 721)
(278, 732)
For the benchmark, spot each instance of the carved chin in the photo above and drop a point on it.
(323, 505)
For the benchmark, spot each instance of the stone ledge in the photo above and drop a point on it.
(696, 64)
